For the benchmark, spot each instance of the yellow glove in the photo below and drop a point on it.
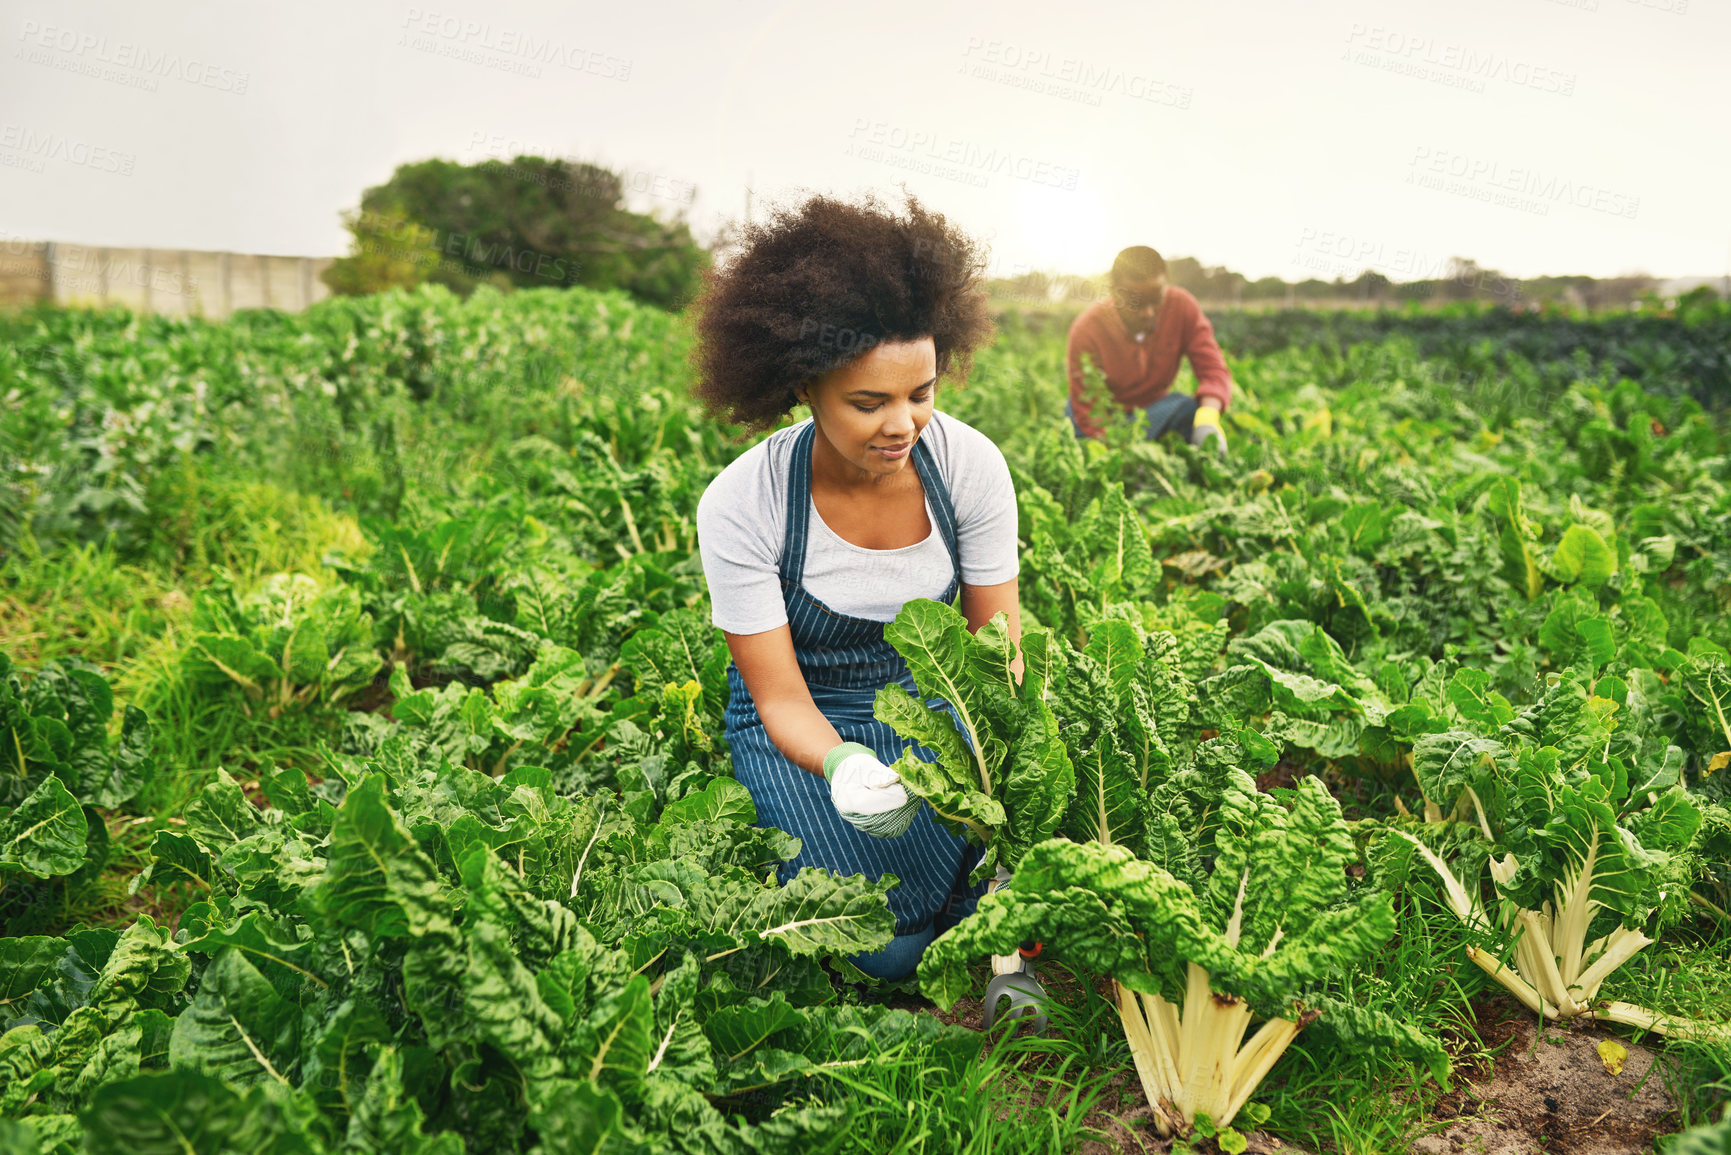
(1206, 424)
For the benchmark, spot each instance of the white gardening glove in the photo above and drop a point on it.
(867, 793)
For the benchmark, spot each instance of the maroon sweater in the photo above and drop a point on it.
(1139, 374)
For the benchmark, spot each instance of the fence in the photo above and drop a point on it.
(178, 282)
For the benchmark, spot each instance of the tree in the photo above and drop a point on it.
(1265, 289)
(389, 251)
(1370, 285)
(531, 223)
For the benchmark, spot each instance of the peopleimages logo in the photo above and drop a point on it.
(973, 162)
(1446, 62)
(1532, 190)
(45, 146)
(1341, 253)
(426, 31)
(601, 182)
(88, 48)
(1068, 77)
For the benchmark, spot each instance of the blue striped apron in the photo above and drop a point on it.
(845, 661)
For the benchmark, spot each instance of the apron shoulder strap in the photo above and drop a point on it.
(939, 495)
(798, 508)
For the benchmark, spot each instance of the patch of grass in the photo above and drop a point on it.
(1328, 1097)
(1329, 1101)
(115, 608)
(132, 615)
(196, 729)
(1684, 973)
(1379, 1117)
(1076, 1078)
(83, 600)
(999, 1101)
(211, 517)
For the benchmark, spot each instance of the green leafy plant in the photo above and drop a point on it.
(287, 645)
(430, 936)
(517, 721)
(57, 726)
(59, 771)
(1267, 916)
(1579, 834)
(1002, 776)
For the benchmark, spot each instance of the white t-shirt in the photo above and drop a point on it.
(742, 521)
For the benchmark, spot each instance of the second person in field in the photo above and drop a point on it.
(1136, 340)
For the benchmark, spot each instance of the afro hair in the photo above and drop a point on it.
(818, 285)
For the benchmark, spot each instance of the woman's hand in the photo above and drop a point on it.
(866, 793)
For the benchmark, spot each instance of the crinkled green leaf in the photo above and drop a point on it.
(738, 1030)
(1470, 692)
(238, 1028)
(724, 799)
(1582, 556)
(1447, 763)
(376, 878)
(45, 834)
(1002, 775)
(173, 1112)
(385, 1117)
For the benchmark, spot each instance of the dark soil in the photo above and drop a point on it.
(1282, 775)
(1544, 1093)
(1549, 1091)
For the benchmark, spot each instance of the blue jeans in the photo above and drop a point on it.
(1173, 413)
(902, 955)
(899, 958)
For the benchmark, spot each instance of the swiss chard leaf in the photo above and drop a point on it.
(1002, 775)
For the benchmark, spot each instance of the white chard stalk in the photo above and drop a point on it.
(1190, 1059)
(1194, 1060)
(1555, 971)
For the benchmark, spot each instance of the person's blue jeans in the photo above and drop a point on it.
(899, 959)
(1173, 413)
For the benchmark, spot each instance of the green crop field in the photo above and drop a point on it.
(363, 785)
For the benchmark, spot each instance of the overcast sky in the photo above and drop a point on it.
(1279, 138)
